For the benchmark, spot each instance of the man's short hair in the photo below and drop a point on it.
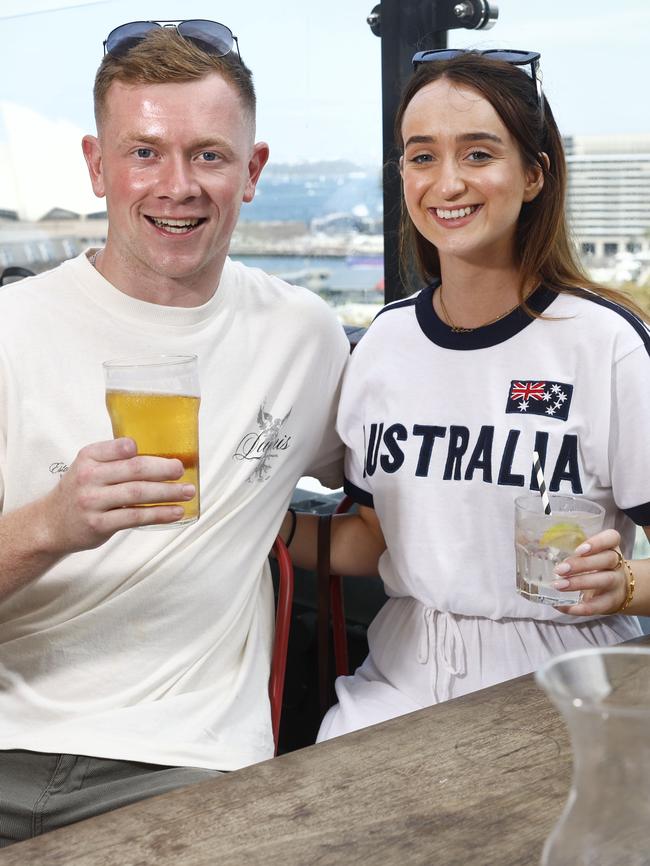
(163, 57)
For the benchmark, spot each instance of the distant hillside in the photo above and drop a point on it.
(332, 167)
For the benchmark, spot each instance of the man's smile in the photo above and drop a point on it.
(177, 226)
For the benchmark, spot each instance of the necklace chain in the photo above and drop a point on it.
(456, 329)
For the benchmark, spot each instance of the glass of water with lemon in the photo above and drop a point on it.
(544, 540)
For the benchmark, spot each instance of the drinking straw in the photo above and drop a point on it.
(537, 466)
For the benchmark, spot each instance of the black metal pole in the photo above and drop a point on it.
(406, 26)
(397, 49)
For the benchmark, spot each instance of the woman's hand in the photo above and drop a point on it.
(598, 570)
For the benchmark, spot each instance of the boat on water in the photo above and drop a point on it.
(364, 261)
(314, 279)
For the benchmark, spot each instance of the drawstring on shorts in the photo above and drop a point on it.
(442, 634)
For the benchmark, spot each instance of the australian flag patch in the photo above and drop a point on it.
(551, 399)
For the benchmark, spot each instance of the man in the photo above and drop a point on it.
(134, 662)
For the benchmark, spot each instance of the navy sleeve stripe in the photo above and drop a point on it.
(408, 302)
(359, 495)
(640, 514)
(411, 301)
(639, 326)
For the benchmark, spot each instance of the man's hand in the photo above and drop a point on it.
(101, 490)
(96, 497)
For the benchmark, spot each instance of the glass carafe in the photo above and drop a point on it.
(604, 697)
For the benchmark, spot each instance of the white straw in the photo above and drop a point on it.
(537, 466)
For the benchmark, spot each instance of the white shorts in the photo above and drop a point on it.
(420, 656)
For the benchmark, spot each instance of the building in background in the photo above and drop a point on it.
(609, 196)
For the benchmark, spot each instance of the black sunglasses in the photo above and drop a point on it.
(515, 58)
(210, 36)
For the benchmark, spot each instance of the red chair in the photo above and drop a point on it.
(330, 603)
(281, 639)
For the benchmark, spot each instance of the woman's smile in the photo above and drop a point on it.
(454, 217)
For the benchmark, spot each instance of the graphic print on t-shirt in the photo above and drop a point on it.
(264, 444)
(458, 453)
(551, 399)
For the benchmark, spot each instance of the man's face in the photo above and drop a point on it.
(175, 161)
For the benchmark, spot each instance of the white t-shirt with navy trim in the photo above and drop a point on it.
(440, 429)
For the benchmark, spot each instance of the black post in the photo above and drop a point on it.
(407, 26)
(397, 49)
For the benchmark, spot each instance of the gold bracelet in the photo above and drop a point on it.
(630, 587)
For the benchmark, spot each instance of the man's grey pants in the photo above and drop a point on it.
(40, 792)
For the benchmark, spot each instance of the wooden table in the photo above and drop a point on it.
(477, 780)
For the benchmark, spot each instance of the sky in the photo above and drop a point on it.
(317, 72)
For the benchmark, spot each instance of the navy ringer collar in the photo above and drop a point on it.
(441, 334)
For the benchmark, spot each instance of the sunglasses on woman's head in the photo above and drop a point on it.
(515, 58)
(210, 36)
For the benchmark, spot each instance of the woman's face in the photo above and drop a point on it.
(464, 180)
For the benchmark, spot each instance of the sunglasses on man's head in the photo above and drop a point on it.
(210, 36)
(515, 58)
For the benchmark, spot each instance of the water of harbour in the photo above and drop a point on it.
(309, 196)
(355, 276)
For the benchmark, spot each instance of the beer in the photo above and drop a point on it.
(164, 425)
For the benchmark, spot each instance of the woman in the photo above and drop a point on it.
(510, 349)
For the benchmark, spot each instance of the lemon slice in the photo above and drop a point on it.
(564, 536)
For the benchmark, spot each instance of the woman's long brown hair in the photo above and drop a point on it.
(544, 250)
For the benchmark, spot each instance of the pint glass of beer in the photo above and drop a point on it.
(155, 401)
